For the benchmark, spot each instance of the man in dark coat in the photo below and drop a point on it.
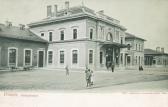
(112, 66)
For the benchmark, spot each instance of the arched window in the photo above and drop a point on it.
(109, 37)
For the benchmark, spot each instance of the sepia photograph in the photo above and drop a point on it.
(92, 52)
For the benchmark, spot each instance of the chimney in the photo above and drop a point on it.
(67, 5)
(162, 50)
(157, 49)
(8, 24)
(55, 10)
(101, 11)
(49, 11)
(22, 26)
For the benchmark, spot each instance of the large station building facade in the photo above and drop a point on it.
(79, 37)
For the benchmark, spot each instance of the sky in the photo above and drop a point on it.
(147, 19)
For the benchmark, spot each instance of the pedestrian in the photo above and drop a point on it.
(112, 66)
(67, 70)
(88, 77)
(91, 77)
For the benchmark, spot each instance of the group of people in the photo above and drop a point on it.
(110, 65)
(89, 77)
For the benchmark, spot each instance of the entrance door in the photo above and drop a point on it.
(41, 59)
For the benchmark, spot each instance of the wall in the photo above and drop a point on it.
(66, 26)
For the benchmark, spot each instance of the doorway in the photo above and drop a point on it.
(40, 58)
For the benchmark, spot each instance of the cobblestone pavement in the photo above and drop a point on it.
(52, 80)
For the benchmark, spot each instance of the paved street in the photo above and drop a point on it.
(50, 80)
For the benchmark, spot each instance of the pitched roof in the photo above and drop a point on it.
(77, 12)
(17, 33)
(153, 52)
(132, 36)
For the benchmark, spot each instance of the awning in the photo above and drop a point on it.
(113, 44)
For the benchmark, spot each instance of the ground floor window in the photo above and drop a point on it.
(121, 58)
(101, 57)
(27, 57)
(12, 56)
(74, 56)
(128, 59)
(50, 57)
(139, 60)
(90, 56)
(61, 57)
(0, 56)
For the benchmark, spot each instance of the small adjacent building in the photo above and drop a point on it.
(156, 58)
(20, 47)
(134, 54)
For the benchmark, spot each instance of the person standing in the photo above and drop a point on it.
(88, 77)
(112, 66)
(67, 70)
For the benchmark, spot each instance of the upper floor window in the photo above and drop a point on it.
(136, 47)
(109, 37)
(139, 47)
(61, 57)
(90, 56)
(74, 56)
(50, 57)
(129, 46)
(121, 40)
(117, 35)
(50, 36)
(42, 34)
(74, 33)
(91, 33)
(62, 35)
(102, 32)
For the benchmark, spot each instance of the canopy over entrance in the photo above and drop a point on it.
(113, 44)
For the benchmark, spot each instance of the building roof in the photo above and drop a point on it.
(77, 12)
(153, 52)
(132, 36)
(17, 33)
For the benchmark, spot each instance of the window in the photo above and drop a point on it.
(101, 57)
(27, 57)
(139, 60)
(90, 56)
(121, 58)
(62, 35)
(102, 32)
(128, 47)
(117, 35)
(12, 57)
(136, 60)
(50, 56)
(61, 57)
(128, 59)
(50, 36)
(136, 47)
(139, 47)
(74, 56)
(74, 33)
(109, 37)
(91, 33)
(121, 40)
(42, 34)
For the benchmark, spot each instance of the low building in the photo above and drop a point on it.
(156, 58)
(79, 37)
(20, 47)
(134, 54)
